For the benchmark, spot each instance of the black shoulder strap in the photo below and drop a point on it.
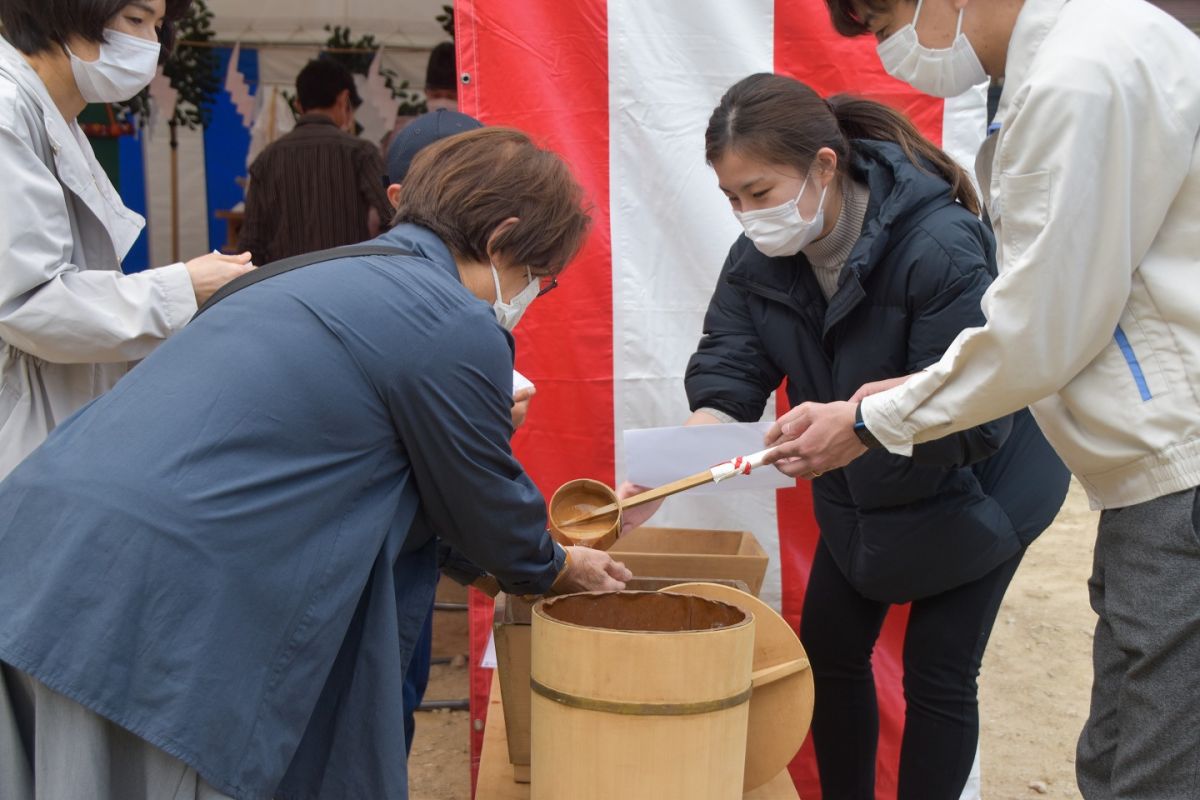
(296, 262)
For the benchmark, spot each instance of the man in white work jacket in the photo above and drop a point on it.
(1092, 176)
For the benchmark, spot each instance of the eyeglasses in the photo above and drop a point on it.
(546, 284)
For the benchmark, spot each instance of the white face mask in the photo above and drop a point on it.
(781, 231)
(126, 65)
(509, 314)
(946, 72)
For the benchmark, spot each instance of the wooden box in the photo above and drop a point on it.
(693, 554)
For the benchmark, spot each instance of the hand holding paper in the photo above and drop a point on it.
(657, 456)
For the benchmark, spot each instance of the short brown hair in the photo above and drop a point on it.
(464, 186)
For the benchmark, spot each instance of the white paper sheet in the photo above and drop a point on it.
(520, 382)
(654, 456)
(488, 661)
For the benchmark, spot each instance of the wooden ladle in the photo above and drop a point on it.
(742, 465)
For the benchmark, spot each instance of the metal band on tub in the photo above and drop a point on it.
(639, 709)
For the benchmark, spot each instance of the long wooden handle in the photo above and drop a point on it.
(769, 675)
(681, 485)
(737, 466)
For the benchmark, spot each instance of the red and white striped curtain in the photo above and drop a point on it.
(623, 89)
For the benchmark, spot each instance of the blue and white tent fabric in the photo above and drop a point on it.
(268, 44)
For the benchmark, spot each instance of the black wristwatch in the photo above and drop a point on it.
(860, 430)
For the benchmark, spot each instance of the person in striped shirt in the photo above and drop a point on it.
(319, 186)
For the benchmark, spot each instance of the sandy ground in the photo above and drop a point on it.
(1037, 671)
(1033, 691)
(439, 766)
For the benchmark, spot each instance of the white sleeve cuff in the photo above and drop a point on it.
(879, 415)
(175, 284)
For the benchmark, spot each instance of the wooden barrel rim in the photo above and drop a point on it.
(639, 709)
(546, 609)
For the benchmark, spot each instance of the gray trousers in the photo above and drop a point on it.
(1142, 738)
(52, 748)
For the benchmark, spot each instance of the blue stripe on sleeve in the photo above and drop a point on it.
(1131, 359)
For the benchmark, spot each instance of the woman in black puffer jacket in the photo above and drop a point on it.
(864, 258)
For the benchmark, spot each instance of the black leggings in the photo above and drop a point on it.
(943, 648)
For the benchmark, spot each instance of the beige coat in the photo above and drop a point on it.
(70, 321)
(1093, 183)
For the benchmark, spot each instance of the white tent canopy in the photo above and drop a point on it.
(394, 23)
(287, 33)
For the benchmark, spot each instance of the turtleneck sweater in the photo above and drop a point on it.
(829, 254)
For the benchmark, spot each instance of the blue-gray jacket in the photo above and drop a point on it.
(231, 553)
(899, 528)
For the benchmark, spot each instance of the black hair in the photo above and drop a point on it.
(780, 120)
(321, 81)
(441, 72)
(35, 26)
(845, 16)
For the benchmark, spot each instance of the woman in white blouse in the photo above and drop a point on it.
(70, 320)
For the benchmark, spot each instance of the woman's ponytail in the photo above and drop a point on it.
(779, 120)
(859, 118)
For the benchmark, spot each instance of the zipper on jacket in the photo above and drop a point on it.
(1139, 377)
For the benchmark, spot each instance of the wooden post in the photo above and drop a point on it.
(174, 190)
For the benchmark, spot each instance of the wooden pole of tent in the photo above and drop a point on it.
(174, 192)
(271, 118)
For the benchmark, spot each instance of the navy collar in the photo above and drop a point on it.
(422, 242)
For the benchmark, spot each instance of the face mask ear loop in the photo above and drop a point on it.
(958, 27)
(820, 203)
(800, 194)
(820, 200)
(496, 280)
(917, 13)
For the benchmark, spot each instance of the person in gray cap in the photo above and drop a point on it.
(424, 130)
(421, 132)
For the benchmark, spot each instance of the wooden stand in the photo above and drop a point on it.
(782, 705)
(496, 774)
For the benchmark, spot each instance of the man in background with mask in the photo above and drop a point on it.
(1091, 172)
(319, 186)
